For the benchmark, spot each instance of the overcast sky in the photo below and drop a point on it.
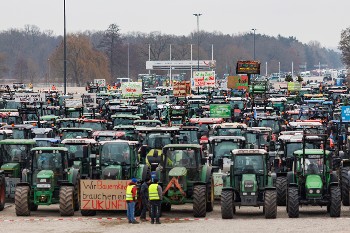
(320, 20)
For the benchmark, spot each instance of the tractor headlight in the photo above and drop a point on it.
(43, 185)
(244, 194)
(311, 191)
(318, 191)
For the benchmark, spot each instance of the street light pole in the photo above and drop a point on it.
(64, 49)
(197, 15)
(254, 29)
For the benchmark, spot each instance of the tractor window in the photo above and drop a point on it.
(47, 161)
(74, 134)
(273, 124)
(75, 151)
(228, 132)
(291, 147)
(115, 153)
(223, 149)
(182, 158)
(14, 153)
(94, 125)
(123, 121)
(18, 134)
(157, 141)
(245, 164)
(314, 166)
(188, 137)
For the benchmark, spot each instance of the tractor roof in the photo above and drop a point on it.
(17, 142)
(248, 151)
(75, 129)
(49, 149)
(126, 116)
(118, 141)
(226, 138)
(233, 125)
(79, 141)
(179, 146)
(311, 152)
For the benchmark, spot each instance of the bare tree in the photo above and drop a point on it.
(344, 46)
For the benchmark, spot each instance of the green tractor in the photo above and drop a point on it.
(13, 159)
(312, 182)
(186, 178)
(49, 179)
(118, 160)
(248, 183)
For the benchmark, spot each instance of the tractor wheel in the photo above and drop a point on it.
(66, 204)
(88, 212)
(270, 204)
(210, 196)
(77, 195)
(345, 186)
(293, 202)
(227, 207)
(335, 206)
(22, 202)
(281, 188)
(2, 193)
(199, 201)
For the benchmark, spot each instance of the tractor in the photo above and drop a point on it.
(13, 159)
(186, 178)
(312, 181)
(248, 183)
(48, 179)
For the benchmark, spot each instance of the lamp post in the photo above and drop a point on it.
(254, 29)
(197, 15)
(64, 49)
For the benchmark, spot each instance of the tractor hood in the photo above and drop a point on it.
(314, 182)
(112, 172)
(178, 171)
(248, 183)
(10, 166)
(45, 174)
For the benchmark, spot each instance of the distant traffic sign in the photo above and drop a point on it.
(345, 113)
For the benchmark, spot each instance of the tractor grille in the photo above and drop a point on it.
(248, 186)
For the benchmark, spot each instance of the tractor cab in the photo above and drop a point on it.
(94, 124)
(229, 129)
(4, 134)
(274, 122)
(188, 135)
(68, 123)
(20, 131)
(43, 133)
(47, 142)
(205, 125)
(66, 133)
(124, 119)
(128, 131)
(10, 116)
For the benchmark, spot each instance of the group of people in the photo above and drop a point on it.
(151, 196)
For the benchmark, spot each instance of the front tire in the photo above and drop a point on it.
(335, 206)
(210, 196)
(345, 186)
(22, 203)
(270, 204)
(293, 202)
(281, 188)
(199, 201)
(227, 207)
(66, 204)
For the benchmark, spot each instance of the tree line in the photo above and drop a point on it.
(32, 55)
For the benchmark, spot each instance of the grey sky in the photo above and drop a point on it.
(307, 20)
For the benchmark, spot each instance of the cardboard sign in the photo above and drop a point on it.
(237, 82)
(103, 194)
(30, 97)
(89, 99)
(73, 103)
(181, 88)
(292, 86)
(131, 89)
(203, 79)
(220, 110)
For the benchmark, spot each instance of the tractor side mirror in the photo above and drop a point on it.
(221, 163)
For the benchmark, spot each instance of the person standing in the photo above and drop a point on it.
(131, 198)
(155, 198)
(144, 196)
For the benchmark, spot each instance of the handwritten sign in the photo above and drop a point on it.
(203, 79)
(89, 100)
(237, 82)
(131, 89)
(30, 97)
(103, 194)
(181, 88)
(73, 103)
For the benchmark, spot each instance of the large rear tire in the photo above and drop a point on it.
(227, 208)
(281, 188)
(2, 192)
(77, 195)
(66, 204)
(270, 204)
(335, 206)
(293, 202)
(345, 186)
(22, 203)
(199, 201)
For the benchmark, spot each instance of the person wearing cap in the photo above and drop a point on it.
(155, 198)
(144, 196)
(131, 198)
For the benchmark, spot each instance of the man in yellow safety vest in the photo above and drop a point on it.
(155, 199)
(131, 198)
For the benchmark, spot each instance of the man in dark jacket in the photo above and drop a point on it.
(155, 198)
(144, 196)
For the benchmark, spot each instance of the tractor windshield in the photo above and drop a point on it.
(47, 161)
(115, 153)
(123, 121)
(229, 132)
(74, 150)
(223, 149)
(157, 141)
(272, 123)
(245, 164)
(188, 137)
(94, 125)
(18, 133)
(291, 147)
(182, 158)
(14, 153)
(251, 140)
(74, 134)
(314, 165)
